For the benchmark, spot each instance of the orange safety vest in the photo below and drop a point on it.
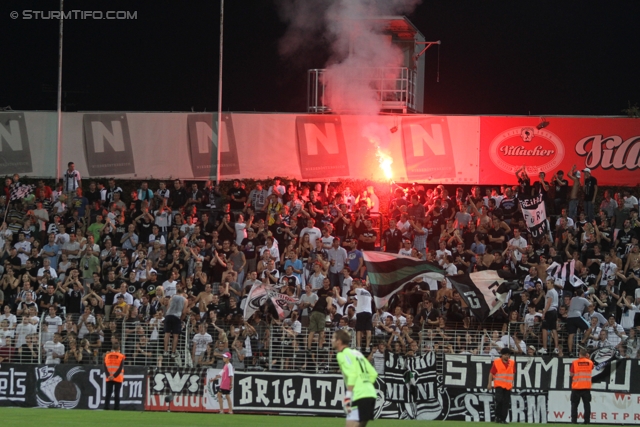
(112, 361)
(581, 369)
(504, 374)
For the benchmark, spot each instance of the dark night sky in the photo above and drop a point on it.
(497, 57)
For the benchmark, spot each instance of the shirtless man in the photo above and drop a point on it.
(633, 259)
(203, 300)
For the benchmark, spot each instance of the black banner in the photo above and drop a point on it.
(295, 393)
(538, 373)
(67, 386)
(177, 381)
(477, 405)
(409, 388)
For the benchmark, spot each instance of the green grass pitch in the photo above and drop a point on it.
(31, 417)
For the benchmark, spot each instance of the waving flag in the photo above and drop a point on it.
(260, 294)
(535, 215)
(388, 273)
(20, 191)
(484, 291)
(564, 273)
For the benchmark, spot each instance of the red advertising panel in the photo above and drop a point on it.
(610, 147)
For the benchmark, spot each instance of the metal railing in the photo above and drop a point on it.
(282, 350)
(393, 87)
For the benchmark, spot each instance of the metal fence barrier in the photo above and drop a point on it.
(280, 346)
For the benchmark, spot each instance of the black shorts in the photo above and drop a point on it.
(575, 323)
(224, 392)
(550, 321)
(172, 325)
(363, 322)
(366, 408)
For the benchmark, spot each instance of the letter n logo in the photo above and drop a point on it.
(322, 148)
(427, 148)
(203, 143)
(15, 154)
(107, 144)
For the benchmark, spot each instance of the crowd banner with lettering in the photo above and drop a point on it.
(429, 149)
(541, 390)
(67, 386)
(535, 215)
(409, 389)
(527, 406)
(172, 380)
(169, 389)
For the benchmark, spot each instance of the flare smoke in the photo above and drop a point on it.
(359, 50)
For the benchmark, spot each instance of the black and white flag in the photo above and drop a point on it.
(564, 272)
(20, 191)
(535, 215)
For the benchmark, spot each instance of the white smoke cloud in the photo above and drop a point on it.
(356, 43)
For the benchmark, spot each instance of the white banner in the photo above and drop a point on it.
(183, 145)
(606, 408)
(210, 399)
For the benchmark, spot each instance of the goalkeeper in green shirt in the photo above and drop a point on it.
(360, 399)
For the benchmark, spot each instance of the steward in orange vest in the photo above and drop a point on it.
(114, 373)
(501, 378)
(581, 386)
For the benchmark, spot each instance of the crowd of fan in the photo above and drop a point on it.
(83, 268)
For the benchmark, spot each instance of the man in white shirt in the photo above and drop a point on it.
(54, 350)
(630, 201)
(277, 189)
(62, 237)
(442, 253)
(517, 245)
(608, 271)
(8, 316)
(313, 232)
(449, 266)
(71, 179)
(170, 286)
(398, 317)
(567, 219)
(615, 332)
(24, 248)
(307, 301)
(364, 321)
(46, 266)
(201, 342)
(126, 296)
(53, 321)
(85, 319)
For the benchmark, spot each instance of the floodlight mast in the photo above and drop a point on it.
(59, 106)
(219, 132)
